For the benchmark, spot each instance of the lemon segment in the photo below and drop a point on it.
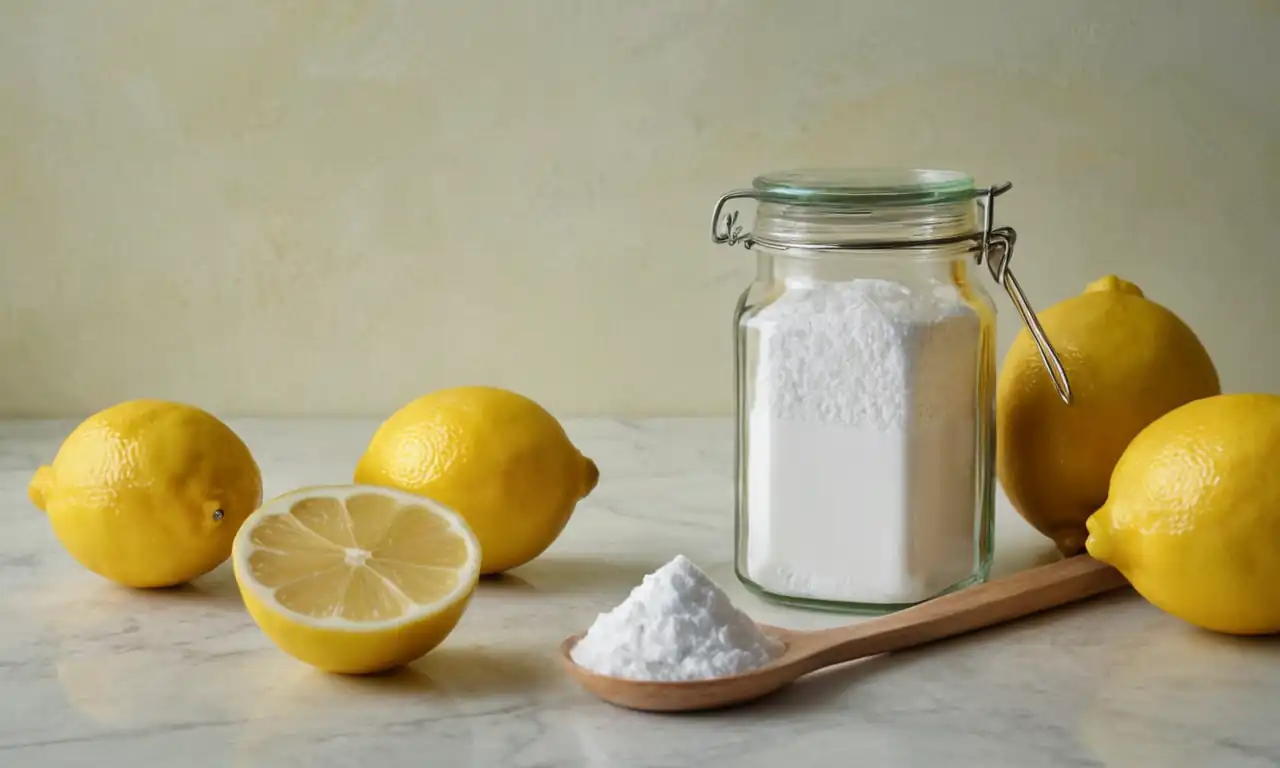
(356, 579)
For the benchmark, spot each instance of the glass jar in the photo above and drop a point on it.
(865, 385)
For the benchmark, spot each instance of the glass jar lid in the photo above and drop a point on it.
(865, 187)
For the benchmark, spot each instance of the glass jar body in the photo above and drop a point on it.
(865, 383)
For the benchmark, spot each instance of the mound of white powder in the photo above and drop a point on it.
(677, 624)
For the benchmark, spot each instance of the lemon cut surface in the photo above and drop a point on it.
(356, 579)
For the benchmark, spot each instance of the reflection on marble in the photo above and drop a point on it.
(97, 675)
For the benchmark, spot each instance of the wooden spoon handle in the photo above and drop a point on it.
(985, 605)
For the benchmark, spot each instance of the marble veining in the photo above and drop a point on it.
(93, 674)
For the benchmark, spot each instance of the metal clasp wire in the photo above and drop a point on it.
(997, 248)
(733, 233)
(994, 245)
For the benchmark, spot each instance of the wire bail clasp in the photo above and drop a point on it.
(732, 234)
(996, 247)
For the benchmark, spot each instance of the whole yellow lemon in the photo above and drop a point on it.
(1193, 515)
(149, 493)
(498, 458)
(1129, 361)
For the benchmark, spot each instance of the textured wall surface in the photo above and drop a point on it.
(298, 207)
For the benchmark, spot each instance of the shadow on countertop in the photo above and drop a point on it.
(561, 575)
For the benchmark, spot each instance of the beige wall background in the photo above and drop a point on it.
(293, 207)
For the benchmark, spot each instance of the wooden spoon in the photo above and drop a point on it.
(985, 605)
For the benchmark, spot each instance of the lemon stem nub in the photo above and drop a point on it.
(1098, 544)
(592, 477)
(38, 490)
(1114, 284)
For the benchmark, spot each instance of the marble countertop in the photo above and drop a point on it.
(94, 674)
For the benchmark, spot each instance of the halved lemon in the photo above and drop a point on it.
(355, 579)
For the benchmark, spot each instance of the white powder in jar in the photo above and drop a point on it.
(677, 624)
(861, 448)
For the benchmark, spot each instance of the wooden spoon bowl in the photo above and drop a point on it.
(995, 602)
(658, 696)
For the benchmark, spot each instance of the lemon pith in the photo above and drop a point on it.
(148, 493)
(498, 458)
(1192, 518)
(1130, 361)
(355, 579)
